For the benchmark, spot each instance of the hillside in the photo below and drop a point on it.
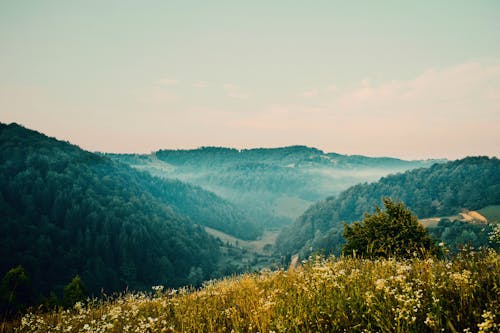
(333, 295)
(65, 211)
(443, 189)
(273, 185)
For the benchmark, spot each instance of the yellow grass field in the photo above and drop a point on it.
(322, 295)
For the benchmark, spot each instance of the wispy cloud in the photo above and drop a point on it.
(466, 88)
(441, 112)
(201, 84)
(310, 93)
(235, 91)
(168, 81)
(331, 88)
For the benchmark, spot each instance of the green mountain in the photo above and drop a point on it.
(65, 211)
(273, 185)
(441, 190)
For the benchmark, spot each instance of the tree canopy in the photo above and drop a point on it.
(393, 232)
(441, 190)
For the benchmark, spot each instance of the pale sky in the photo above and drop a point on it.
(409, 79)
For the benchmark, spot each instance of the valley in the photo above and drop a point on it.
(178, 218)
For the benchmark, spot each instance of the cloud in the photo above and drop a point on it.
(235, 91)
(442, 112)
(461, 89)
(201, 84)
(310, 93)
(331, 88)
(168, 81)
(156, 95)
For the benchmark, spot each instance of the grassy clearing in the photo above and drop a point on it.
(332, 295)
(257, 246)
(485, 215)
(492, 213)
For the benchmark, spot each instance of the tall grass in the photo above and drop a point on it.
(324, 295)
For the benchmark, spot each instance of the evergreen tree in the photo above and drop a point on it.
(74, 292)
(15, 291)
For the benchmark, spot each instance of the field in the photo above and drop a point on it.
(321, 295)
(492, 213)
(259, 246)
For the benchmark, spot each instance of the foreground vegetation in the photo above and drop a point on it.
(335, 294)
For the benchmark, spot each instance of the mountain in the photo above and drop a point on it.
(65, 211)
(273, 185)
(443, 189)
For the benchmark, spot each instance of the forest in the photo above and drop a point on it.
(272, 185)
(77, 224)
(67, 212)
(441, 190)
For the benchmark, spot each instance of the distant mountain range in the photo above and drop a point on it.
(273, 185)
(443, 189)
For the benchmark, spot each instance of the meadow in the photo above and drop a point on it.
(320, 295)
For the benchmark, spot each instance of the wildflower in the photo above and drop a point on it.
(158, 288)
(380, 284)
(429, 321)
(488, 325)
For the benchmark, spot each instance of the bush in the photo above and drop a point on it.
(394, 232)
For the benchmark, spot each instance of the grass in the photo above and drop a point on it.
(322, 295)
(489, 214)
(257, 246)
(492, 213)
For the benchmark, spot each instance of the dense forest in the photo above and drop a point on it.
(68, 212)
(272, 185)
(441, 190)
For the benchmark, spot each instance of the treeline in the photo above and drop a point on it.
(264, 182)
(67, 212)
(457, 235)
(441, 190)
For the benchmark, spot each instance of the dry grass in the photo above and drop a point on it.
(324, 295)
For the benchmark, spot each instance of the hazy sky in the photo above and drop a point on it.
(411, 79)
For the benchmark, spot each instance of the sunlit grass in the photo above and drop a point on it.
(325, 295)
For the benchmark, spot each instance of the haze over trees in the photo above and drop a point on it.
(74, 223)
(272, 185)
(441, 190)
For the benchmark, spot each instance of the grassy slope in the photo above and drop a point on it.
(267, 238)
(492, 213)
(489, 214)
(337, 295)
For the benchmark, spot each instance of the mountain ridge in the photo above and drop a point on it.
(442, 189)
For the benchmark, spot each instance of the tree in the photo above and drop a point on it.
(74, 292)
(394, 232)
(15, 291)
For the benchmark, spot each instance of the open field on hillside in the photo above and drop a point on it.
(268, 238)
(465, 216)
(492, 213)
(333, 295)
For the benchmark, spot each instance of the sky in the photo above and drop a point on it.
(408, 79)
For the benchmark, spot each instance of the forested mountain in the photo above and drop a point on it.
(443, 189)
(65, 211)
(274, 185)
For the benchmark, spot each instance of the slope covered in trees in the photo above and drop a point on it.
(65, 211)
(443, 189)
(274, 185)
